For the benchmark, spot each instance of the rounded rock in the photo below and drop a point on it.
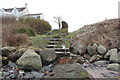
(92, 49)
(111, 51)
(101, 49)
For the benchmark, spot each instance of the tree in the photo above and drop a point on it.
(58, 20)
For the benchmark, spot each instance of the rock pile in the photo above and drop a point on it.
(32, 63)
(93, 52)
(15, 62)
(70, 71)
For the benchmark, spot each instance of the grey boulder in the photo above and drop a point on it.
(48, 55)
(92, 49)
(14, 56)
(114, 67)
(70, 71)
(7, 50)
(108, 54)
(29, 60)
(79, 48)
(0, 61)
(101, 63)
(115, 58)
(101, 49)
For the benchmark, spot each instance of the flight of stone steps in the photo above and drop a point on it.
(61, 50)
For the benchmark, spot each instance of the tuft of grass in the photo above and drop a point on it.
(40, 41)
(26, 30)
(68, 37)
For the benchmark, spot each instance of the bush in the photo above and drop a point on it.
(26, 30)
(39, 25)
(9, 38)
(14, 40)
(17, 39)
(14, 33)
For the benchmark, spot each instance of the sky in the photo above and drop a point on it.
(76, 13)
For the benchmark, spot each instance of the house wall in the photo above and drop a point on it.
(18, 14)
(2, 12)
(15, 13)
(24, 12)
(35, 16)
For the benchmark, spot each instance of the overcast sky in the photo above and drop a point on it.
(76, 13)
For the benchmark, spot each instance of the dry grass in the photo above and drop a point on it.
(9, 38)
(106, 33)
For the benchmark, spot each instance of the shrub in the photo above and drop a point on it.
(39, 25)
(26, 30)
(9, 38)
(17, 39)
(14, 40)
(14, 33)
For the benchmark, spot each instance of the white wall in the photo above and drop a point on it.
(24, 12)
(15, 12)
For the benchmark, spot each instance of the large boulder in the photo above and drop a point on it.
(14, 56)
(79, 48)
(114, 67)
(92, 49)
(29, 60)
(95, 58)
(101, 49)
(1, 74)
(112, 51)
(0, 61)
(74, 70)
(4, 61)
(118, 52)
(115, 58)
(7, 50)
(48, 55)
(101, 63)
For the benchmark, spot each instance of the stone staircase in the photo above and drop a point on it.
(60, 51)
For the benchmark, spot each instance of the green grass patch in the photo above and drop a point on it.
(40, 41)
(26, 30)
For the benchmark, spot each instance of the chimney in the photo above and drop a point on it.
(25, 4)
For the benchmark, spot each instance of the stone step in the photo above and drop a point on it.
(73, 54)
(59, 55)
(50, 46)
(55, 39)
(62, 49)
(54, 42)
(62, 52)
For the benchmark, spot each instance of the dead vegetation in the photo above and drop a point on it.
(9, 38)
(106, 33)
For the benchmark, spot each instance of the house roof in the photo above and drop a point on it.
(8, 10)
(33, 14)
(19, 9)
